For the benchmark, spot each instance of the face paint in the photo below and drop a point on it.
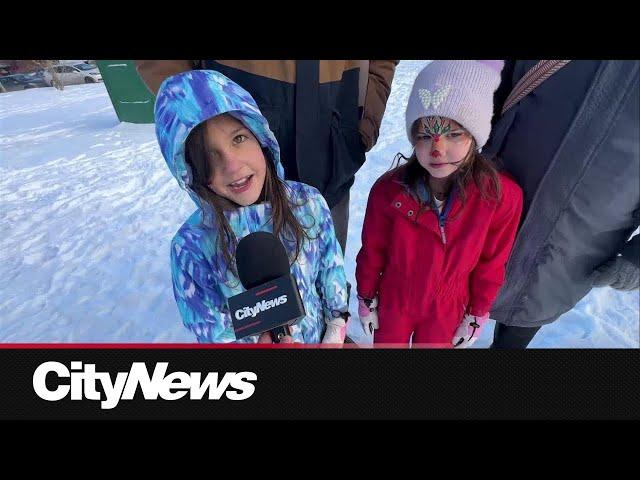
(441, 145)
(436, 126)
(434, 129)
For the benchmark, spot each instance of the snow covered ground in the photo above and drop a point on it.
(88, 209)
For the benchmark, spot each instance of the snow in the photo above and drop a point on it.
(88, 209)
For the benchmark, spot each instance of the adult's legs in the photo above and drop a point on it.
(512, 337)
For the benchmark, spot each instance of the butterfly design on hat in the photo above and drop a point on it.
(429, 98)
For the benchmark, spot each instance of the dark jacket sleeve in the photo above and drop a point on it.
(631, 250)
(154, 72)
(378, 89)
(628, 139)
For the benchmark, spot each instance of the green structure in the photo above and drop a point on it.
(130, 97)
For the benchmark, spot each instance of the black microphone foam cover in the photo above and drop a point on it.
(260, 258)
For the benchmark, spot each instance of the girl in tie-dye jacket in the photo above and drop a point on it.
(220, 149)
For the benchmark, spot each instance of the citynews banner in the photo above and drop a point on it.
(312, 382)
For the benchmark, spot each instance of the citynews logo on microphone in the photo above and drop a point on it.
(174, 386)
(260, 307)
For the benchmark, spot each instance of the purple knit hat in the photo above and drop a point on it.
(461, 90)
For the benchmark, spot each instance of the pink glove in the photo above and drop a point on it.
(368, 313)
(468, 331)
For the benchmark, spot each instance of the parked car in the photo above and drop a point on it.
(36, 78)
(11, 83)
(75, 74)
(90, 68)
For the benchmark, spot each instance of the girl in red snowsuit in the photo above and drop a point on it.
(439, 229)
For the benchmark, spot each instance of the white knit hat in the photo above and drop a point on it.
(461, 90)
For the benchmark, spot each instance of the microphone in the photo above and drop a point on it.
(272, 301)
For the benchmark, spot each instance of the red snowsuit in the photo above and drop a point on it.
(427, 277)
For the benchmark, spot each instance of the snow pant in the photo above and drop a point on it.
(512, 337)
(340, 217)
(434, 329)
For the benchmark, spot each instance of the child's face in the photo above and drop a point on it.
(441, 145)
(235, 159)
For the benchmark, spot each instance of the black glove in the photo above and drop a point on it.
(618, 273)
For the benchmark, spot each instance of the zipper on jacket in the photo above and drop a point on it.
(424, 195)
(442, 217)
(442, 234)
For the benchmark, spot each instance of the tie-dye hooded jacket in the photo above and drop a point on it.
(202, 281)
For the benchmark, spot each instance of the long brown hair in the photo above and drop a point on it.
(475, 167)
(285, 224)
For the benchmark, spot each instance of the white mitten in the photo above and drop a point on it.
(468, 331)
